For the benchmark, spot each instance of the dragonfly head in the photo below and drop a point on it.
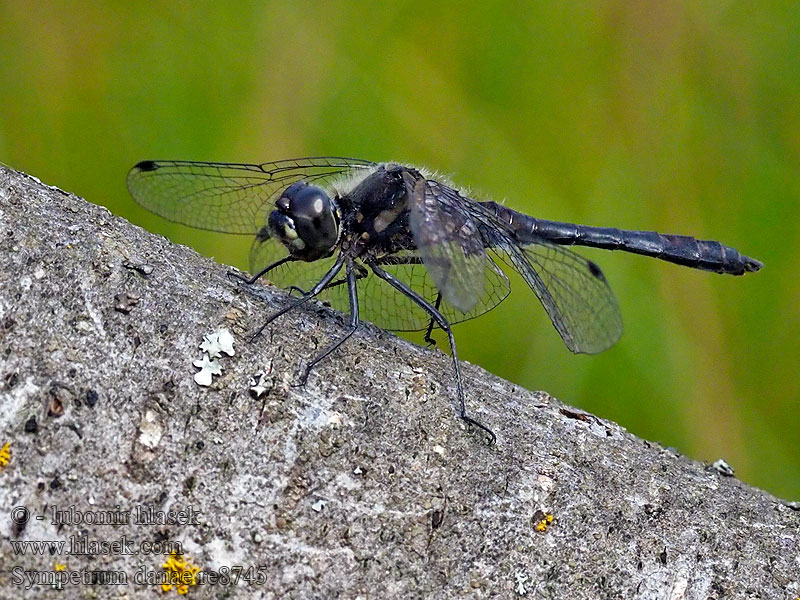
(306, 220)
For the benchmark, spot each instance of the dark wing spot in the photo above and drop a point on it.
(595, 270)
(146, 165)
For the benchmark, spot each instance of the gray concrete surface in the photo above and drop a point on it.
(363, 484)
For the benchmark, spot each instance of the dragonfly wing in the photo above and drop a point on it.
(383, 305)
(576, 296)
(572, 289)
(448, 242)
(227, 197)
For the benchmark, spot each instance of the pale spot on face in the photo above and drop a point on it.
(289, 233)
(318, 206)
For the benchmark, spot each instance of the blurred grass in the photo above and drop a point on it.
(680, 117)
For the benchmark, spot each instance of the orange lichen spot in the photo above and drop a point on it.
(59, 567)
(5, 455)
(181, 574)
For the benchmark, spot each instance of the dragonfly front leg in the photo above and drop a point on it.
(361, 273)
(320, 285)
(352, 296)
(233, 276)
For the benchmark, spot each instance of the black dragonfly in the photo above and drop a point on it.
(394, 245)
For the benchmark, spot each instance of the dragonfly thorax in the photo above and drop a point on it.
(306, 221)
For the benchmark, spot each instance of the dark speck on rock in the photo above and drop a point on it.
(143, 269)
(162, 535)
(125, 302)
(11, 380)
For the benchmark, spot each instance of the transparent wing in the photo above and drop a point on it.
(572, 289)
(227, 197)
(379, 302)
(448, 242)
(577, 298)
(384, 306)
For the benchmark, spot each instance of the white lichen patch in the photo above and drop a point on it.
(520, 579)
(545, 483)
(208, 368)
(345, 482)
(14, 401)
(259, 384)
(213, 346)
(217, 343)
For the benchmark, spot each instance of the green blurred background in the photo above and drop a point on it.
(680, 117)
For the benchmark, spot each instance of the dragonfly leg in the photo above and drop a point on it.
(251, 280)
(360, 274)
(320, 285)
(352, 296)
(415, 260)
(428, 338)
(441, 322)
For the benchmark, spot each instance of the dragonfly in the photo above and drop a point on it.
(400, 247)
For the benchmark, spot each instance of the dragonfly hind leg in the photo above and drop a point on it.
(441, 322)
(429, 332)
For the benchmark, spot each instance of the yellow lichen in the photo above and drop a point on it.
(181, 573)
(5, 455)
(541, 525)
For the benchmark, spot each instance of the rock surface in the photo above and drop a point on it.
(363, 484)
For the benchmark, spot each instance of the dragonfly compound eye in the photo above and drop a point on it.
(314, 217)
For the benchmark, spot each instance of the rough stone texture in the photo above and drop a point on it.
(363, 484)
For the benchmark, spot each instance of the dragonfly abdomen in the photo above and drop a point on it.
(684, 250)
